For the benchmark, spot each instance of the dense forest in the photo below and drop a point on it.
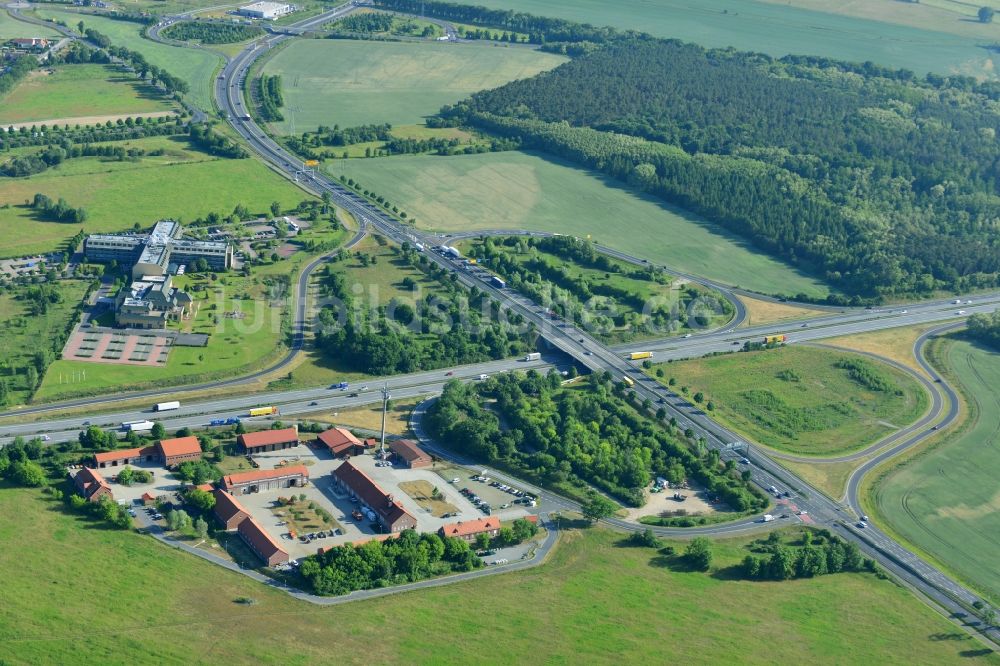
(878, 181)
(986, 328)
(587, 434)
(212, 33)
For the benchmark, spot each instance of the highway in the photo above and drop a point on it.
(589, 353)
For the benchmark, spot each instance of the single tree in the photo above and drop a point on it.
(986, 14)
(597, 508)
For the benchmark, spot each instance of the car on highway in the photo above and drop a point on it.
(862, 524)
(449, 373)
(687, 335)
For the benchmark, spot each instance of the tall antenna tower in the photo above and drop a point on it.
(385, 408)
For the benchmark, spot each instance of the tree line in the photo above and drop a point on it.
(214, 143)
(568, 438)
(366, 23)
(16, 71)
(874, 179)
(538, 28)
(137, 61)
(269, 93)
(52, 156)
(212, 33)
(128, 129)
(985, 328)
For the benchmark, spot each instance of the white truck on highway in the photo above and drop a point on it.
(137, 426)
(533, 356)
(166, 406)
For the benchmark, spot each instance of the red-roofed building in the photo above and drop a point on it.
(259, 480)
(407, 452)
(262, 543)
(390, 513)
(91, 485)
(269, 440)
(229, 512)
(181, 449)
(470, 529)
(123, 457)
(340, 442)
(148, 498)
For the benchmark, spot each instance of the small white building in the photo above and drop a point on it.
(266, 10)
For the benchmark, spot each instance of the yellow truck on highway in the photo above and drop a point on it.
(263, 411)
(638, 356)
(775, 339)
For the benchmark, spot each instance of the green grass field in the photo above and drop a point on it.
(947, 500)
(11, 28)
(515, 190)
(195, 66)
(22, 334)
(779, 29)
(184, 183)
(73, 91)
(168, 607)
(328, 82)
(794, 399)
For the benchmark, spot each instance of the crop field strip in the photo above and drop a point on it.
(947, 500)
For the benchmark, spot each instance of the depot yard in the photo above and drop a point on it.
(72, 91)
(351, 83)
(518, 190)
(567, 609)
(183, 183)
(795, 399)
(946, 500)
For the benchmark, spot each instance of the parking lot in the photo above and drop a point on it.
(322, 491)
(163, 483)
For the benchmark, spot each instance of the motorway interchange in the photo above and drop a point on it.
(568, 344)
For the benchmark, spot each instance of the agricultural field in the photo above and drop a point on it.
(946, 500)
(516, 190)
(74, 91)
(351, 83)
(780, 29)
(795, 399)
(196, 66)
(959, 17)
(22, 334)
(569, 609)
(183, 183)
(11, 28)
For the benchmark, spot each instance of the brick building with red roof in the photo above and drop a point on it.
(391, 514)
(340, 442)
(123, 457)
(407, 452)
(228, 511)
(470, 529)
(180, 449)
(91, 485)
(261, 543)
(259, 480)
(268, 440)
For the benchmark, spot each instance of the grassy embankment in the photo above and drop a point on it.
(795, 399)
(515, 190)
(614, 319)
(945, 497)
(74, 91)
(169, 606)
